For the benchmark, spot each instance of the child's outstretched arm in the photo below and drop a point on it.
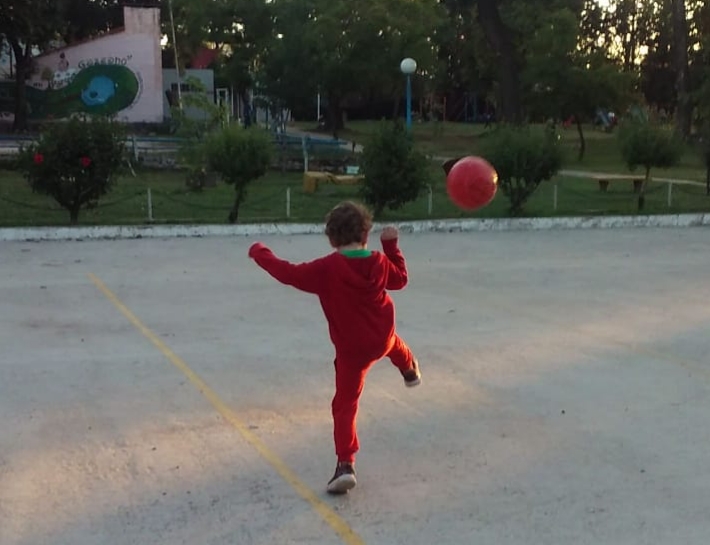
(307, 277)
(397, 277)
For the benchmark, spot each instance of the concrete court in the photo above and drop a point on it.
(565, 396)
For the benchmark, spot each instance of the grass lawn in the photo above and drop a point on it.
(266, 201)
(172, 202)
(457, 139)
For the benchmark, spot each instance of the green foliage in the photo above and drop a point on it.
(197, 117)
(395, 172)
(523, 160)
(240, 156)
(75, 162)
(563, 80)
(649, 145)
(25, 24)
(345, 49)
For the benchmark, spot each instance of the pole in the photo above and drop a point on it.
(288, 202)
(430, 203)
(150, 206)
(409, 101)
(318, 115)
(177, 64)
(554, 198)
(670, 194)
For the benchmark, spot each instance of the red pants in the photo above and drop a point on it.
(349, 381)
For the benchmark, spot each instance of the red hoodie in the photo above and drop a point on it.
(352, 292)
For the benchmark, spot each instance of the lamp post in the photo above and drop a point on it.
(408, 66)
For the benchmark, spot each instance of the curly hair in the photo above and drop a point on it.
(348, 223)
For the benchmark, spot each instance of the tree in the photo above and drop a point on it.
(395, 172)
(240, 156)
(494, 65)
(702, 98)
(88, 18)
(680, 63)
(501, 39)
(464, 55)
(285, 74)
(346, 50)
(76, 162)
(26, 24)
(239, 30)
(649, 145)
(197, 117)
(565, 81)
(523, 160)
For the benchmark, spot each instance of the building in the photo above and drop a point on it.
(170, 83)
(119, 73)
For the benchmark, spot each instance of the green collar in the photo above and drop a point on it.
(364, 252)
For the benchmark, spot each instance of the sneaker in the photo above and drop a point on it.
(343, 480)
(412, 377)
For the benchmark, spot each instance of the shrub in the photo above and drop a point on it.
(240, 156)
(197, 118)
(649, 145)
(523, 161)
(395, 173)
(75, 162)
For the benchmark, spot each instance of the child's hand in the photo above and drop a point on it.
(255, 248)
(389, 233)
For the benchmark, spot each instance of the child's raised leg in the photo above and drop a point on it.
(403, 359)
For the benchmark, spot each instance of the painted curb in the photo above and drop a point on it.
(122, 232)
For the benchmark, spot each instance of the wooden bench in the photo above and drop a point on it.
(605, 179)
(311, 180)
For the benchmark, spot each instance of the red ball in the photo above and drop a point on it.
(472, 183)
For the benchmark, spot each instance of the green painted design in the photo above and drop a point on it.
(103, 89)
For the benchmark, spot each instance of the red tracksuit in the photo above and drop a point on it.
(361, 320)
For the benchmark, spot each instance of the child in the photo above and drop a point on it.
(352, 285)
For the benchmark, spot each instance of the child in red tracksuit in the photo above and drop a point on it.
(352, 285)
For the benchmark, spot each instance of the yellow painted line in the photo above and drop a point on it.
(346, 533)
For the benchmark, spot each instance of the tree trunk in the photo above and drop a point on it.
(625, 21)
(377, 212)
(680, 61)
(23, 58)
(500, 38)
(395, 108)
(335, 115)
(582, 141)
(234, 212)
(642, 192)
(74, 214)
(247, 108)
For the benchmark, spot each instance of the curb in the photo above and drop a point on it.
(123, 232)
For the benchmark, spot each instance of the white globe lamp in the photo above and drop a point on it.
(408, 67)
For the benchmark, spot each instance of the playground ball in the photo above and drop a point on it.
(471, 183)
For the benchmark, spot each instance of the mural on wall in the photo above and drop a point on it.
(97, 86)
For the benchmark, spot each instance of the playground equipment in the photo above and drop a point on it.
(606, 119)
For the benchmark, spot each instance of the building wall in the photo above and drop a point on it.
(117, 74)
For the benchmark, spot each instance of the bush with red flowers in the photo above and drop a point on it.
(76, 162)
